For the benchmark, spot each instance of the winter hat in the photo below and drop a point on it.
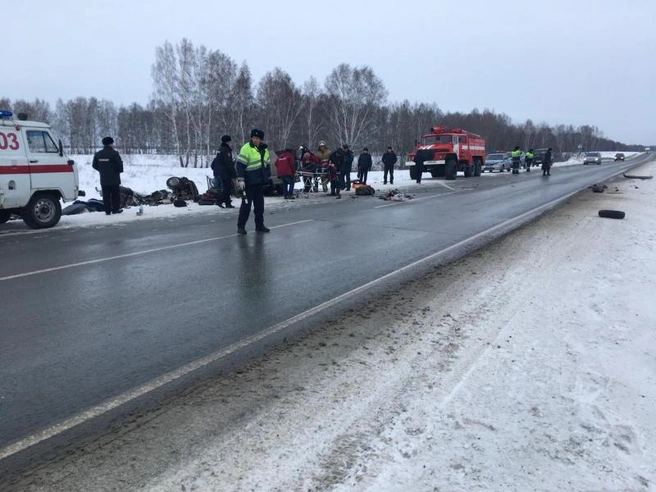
(365, 149)
(257, 133)
(322, 143)
(226, 139)
(107, 141)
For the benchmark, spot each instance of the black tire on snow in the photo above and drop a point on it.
(612, 214)
(42, 212)
(469, 171)
(450, 170)
(413, 173)
(4, 216)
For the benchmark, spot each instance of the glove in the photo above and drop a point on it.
(240, 186)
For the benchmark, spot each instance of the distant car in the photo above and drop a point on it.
(592, 158)
(619, 156)
(497, 162)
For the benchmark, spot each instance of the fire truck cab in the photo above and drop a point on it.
(443, 152)
(34, 172)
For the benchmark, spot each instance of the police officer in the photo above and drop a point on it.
(516, 155)
(528, 160)
(389, 159)
(253, 174)
(110, 166)
(223, 166)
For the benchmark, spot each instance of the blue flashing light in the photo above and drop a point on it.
(5, 114)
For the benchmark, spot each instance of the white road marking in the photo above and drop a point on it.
(129, 255)
(130, 395)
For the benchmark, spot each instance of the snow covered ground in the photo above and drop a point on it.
(147, 173)
(528, 366)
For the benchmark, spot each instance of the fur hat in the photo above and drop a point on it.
(107, 141)
(257, 133)
(226, 139)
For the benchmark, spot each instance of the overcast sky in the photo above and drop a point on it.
(574, 62)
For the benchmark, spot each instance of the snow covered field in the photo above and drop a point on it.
(528, 366)
(146, 173)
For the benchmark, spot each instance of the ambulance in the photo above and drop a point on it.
(35, 175)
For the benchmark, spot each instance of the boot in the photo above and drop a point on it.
(241, 230)
(262, 228)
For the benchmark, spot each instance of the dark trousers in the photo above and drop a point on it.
(111, 198)
(419, 169)
(345, 177)
(226, 191)
(287, 185)
(255, 197)
(362, 176)
(388, 169)
(335, 186)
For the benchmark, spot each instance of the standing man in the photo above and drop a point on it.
(389, 159)
(253, 173)
(528, 160)
(364, 165)
(110, 166)
(345, 172)
(516, 155)
(223, 166)
(336, 161)
(546, 163)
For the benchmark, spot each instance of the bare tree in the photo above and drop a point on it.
(354, 94)
(280, 103)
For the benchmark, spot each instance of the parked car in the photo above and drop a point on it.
(498, 162)
(592, 158)
(619, 156)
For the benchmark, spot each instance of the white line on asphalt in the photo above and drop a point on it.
(130, 395)
(136, 253)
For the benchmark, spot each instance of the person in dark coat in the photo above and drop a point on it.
(546, 163)
(110, 166)
(389, 159)
(364, 165)
(336, 164)
(345, 172)
(223, 166)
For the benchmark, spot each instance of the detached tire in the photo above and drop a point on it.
(42, 212)
(612, 214)
(4, 216)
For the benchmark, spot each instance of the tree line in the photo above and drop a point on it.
(200, 94)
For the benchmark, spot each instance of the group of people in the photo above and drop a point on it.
(516, 156)
(248, 174)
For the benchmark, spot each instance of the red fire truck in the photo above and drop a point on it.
(443, 152)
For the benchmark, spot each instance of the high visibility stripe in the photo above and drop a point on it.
(41, 169)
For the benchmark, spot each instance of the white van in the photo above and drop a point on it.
(34, 172)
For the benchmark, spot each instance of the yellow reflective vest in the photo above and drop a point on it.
(253, 165)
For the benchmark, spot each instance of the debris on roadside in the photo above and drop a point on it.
(395, 196)
(598, 188)
(632, 176)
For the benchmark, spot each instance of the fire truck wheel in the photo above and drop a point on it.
(450, 169)
(469, 171)
(478, 168)
(43, 211)
(4, 216)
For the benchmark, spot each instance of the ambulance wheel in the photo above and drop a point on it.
(4, 216)
(43, 211)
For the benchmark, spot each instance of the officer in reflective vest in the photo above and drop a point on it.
(528, 160)
(253, 174)
(516, 155)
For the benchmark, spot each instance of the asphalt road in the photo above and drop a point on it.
(92, 313)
